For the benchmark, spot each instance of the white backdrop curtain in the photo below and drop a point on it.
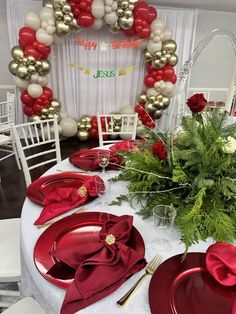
(81, 93)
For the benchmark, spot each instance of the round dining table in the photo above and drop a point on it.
(51, 297)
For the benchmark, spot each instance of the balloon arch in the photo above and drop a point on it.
(57, 18)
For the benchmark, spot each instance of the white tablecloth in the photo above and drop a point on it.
(51, 297)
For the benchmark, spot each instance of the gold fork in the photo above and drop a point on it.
(150, 269)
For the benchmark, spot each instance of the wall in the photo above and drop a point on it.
(215, 66)
(5, 77)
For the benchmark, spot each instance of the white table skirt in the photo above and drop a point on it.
(51, 297)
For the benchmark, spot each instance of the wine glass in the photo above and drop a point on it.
(102, 191)
(103, 159)
(163, 219)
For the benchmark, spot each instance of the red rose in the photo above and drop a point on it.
(197, 103)
(159, 150)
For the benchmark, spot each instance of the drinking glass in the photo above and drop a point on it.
(102, 191)
(103, 159)
(163, 219)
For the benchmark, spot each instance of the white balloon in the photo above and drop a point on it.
(43, 80)
(126, 109)
(151, 92)
(156, 39)
(98, 9)
(34, 78)
(43, 37)
(168, 34)
(32, 20)
(69, 127)
(169, 89)
(50, 29)
(44, 24)
(157, 24)
(34, 90)
(109, 2)
(111, 18)
(63, 114)
(98, 23)
(157, 32)
(154, 47)
(159, 86)
(20, 83)
(141, 130)
(108, 9)
(51, 22)
(46, 14)
(114, 6)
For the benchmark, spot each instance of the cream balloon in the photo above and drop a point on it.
(111, 18)
(114, 6)
(32, 20)
(153, 47)
(151, 92)
(169, 89)
(43, 80)
(69, 127)
(34, 78)
(43, 37)
(167, 34)
(159, 86)
(63, 114)
(98, 9)
(46, 14)
(35, 90)
(126, 109)
(20, 83)
(50, 29)
(97, 24)
(141, 130)
(157, 24)
(108, 9)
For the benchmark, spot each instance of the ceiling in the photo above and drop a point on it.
(216, 5)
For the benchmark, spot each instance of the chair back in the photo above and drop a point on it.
(7, 112)
(111, 126)
(37, 144)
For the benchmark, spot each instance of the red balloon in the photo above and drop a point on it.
(85, 19)
(141, 9)
(27, 99)
(83, 5)
(128, 32)
(152, 15)
(149, 81)
(43, 49)
(76, 12)
(37, 108)
(28, 111)
(21, 43)
(27, 35)
(93, 133)
(145, 32)
(48, 92)
(31, 51)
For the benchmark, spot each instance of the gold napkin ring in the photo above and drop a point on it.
(82, 191)
(110, 239)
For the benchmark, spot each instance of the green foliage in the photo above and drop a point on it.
(198, 178)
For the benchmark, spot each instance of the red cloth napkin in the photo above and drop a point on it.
(126, 145)
(59, 200)
(87, 159)
(221, 264)
(100, 267)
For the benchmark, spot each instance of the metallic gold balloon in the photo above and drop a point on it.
(173, 60)
(51, 110)
(44, 69)
(142, 98)
(157, 114)
(148, 56)
(59, 3)
(31, 60)
(57, 115)
(22, 71)
(82, 126)
(124, 4)
(45, 111)
(117, 119)
(43, 117)
(83, 135)
(133, 1)
(48, 3)
(12, 66)
(117, 128)
(168, 57)
(83, 120)
(158, 54)
(166, 101)
(126, 23)
(25, 61)
(74, 26)
(66, 8)
(159, 97)
(150, 108)
(38, 64)
(50, 116)
(169, 45)
(157, 63)
(35, 118)
(67, 19)
(62, 28)
(115, 27)
(158, 105)
(128, 13)
(88, 127)
(120, 12)
(31, 69)
(58, 14)
(17, 53)
(131, 6)
(56, 104)
(151, 99)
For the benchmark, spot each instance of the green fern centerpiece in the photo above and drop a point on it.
(195, 171)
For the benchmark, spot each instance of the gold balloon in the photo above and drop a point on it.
(57, 116)
(148, 56)
(120, 12)
(67, 19)
(166, 101)
(74, 26)
(45, 111)
(158, 54)
(128, 13)
(157, 63)
(159, 97)
(151, 99)
(150, 108)
(31, 69)
(58, 14)
(173, 60)
(35, 118)
(83, 120)
(66, 8)
(38, 64)
(62, 28)
(56, 104)
(50, 116)
(59, 3)
(157, 114)
(83, 135)
(168, 56)
(17, 53)
(88, 127)
(115, 27)
(12, 66)
(43, 117)
(169, 45)
(51, 110)
(44, 69)
(117, 119)
(133, 1)
(142, 98)
(82, 126)
(158, 105)
(131, 7)
(48, 3)
(124, 4)
(31, 60)
(126, 23)
(22, 71)
(117, 128)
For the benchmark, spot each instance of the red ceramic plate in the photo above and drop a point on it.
(74, 229)
(36, 190)
(187, 288)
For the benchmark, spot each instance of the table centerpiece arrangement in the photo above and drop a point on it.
(193, 170)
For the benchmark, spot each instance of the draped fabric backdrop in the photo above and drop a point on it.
(77, 89)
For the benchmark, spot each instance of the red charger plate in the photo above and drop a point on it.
(186, 287)
(74, 229)
(35, 191)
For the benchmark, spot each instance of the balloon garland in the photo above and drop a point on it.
(30, 64)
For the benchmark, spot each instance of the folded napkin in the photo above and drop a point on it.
(127, 145)
(87, 159)
(100, 267)
(58, 200)
(221, 264)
